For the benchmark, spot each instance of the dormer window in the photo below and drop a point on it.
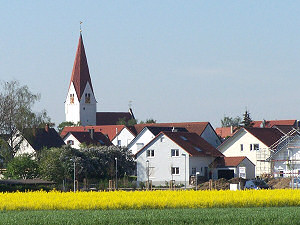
(87, 98)
(71, 98)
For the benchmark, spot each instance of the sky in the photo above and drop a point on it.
(177, 61)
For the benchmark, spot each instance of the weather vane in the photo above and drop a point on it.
(80, 26)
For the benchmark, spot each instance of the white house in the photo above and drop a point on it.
(123, 137)
(147, 134)
(232, 167)
(174, 156)
(76, 139)
(33, 140)
(255, 144)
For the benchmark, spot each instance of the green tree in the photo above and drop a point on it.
(62, 125)
(247, 121)
(150, 120)
(16, 103)
(22, 167)
(124, 121)
(229, 121)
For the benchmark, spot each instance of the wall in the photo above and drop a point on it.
(145, 136)
(88, 110)
(210, 136)
(72, 110)
(125, 136)
(69, 137)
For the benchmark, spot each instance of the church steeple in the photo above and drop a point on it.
(80, 74)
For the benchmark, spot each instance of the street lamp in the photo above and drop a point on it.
(147, 173)
(74, 174)
(184, 169)
(116, 172)
(197, 173)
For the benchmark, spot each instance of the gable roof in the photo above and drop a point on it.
(266, 135)
(284, 128)
(193, 127)
(39, 138)
(156, 130)
(271, 123)
(80, 73)
(85, 137)
(233, 161)
(112, 118)
(192, 143)
(110, 130)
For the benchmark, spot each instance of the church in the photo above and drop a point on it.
(81, 103)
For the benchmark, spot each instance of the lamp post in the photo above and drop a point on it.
(74, 174)
(184, 169)
(147, 174)
(116, 172)
(197, 173)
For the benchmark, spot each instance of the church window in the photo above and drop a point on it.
(87, 98)
(72, 98)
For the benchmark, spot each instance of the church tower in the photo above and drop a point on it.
(81, 104)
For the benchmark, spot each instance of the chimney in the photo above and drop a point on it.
(47, 127)
(231, 129)
(91, 131)
(174, 129)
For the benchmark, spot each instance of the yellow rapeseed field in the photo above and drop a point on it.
(55, 200)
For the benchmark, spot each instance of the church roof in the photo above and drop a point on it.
(112, 118)
(80, 74)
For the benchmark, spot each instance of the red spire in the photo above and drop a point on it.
(80, 74)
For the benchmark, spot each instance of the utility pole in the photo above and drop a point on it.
(184, 169)
(116, 172)
(147, 174)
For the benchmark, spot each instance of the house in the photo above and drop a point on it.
(174, 156)
(75, 139)
(232, 167)
(118, 134)
(33, 140)
(271, 123)
(147, 134)
(226, 132)
(81, 103)
(203, 129)
(285, 155)
(254, 143)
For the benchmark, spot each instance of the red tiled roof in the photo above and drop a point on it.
(228, 161)
(85, 137)
(80, 74)
(271, 123)
(266, 135)
(110, 130)
(111, 118)
(225, 132)
(192, 127)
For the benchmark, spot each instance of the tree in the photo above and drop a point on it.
(16, 113)
(124, 121)
(62, 125)
(150, 120)
(22, 167)
(229, 121)
(247, 121)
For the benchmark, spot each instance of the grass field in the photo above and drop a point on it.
(268, 215)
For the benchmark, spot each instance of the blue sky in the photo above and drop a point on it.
(176, 60)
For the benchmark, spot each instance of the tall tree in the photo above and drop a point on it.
(247, 121)
(150, 120)
(16, 113)
(62, 125)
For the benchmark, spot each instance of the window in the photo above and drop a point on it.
(183, 138)
(119, 142)
(281, 173)
(250, 147)
(71, 98)
(175, 170)
(150, 153)
(256, 146)
(193, 171)
(242, 147)
(87, 98)
(70, 142)
(174, 152)
(198, 149)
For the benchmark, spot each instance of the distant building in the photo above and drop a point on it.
(81, 104)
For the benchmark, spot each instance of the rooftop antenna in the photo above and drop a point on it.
(80, 26)
(130, 104)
